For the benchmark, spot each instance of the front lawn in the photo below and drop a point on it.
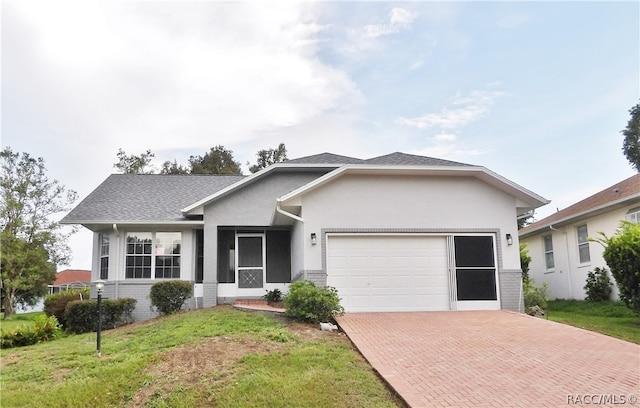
(22, 319)
(610, 318)
(213, 357)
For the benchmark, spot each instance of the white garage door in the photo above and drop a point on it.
(376, 273)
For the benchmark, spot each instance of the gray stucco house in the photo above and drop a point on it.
(392, 233)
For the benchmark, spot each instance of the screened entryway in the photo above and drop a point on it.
(252, 261)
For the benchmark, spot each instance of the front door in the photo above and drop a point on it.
(250, 260)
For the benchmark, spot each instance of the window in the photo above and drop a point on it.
(141, 259)
(475, 268)
(583, 244)
(168, 255)
(633, 215)
(548, 252)
(104, 257)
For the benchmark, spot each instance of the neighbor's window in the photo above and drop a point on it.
(583, 244)
(104, 257)
(633, 215)
(548, 252)
(141, 259)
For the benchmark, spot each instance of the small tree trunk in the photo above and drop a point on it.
(8, 305)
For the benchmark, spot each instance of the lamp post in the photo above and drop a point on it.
(99, 287)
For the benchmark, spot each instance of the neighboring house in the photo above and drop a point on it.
(393, 233)
(559, 245)
(71, 279)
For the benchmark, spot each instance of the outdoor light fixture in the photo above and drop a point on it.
(314, 239)
(509, 239)
(99, 287)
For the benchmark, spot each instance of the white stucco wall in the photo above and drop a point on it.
(409, 202)
(567, 279)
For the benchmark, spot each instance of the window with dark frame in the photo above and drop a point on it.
(199, 256)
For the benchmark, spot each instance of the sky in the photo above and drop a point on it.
(535, 91)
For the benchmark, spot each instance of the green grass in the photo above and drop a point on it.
(610, 318)
(23, 319)
(173, 362)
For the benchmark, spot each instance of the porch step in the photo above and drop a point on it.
(256, 304)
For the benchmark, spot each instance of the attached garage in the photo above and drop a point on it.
(375, 273)
(411, 272)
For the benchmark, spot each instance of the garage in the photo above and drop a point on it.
(389, 273)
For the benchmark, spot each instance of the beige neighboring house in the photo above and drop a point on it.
(559, 245)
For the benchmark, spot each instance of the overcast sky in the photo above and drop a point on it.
(536, 91)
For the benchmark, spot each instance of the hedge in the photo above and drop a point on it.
(81, 316)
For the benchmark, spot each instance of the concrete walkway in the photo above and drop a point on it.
(495, 359)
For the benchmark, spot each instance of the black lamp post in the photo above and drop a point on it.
(99, 287)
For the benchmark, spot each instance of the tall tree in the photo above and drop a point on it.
(217, 160)
(268, 157)
(631, 144)
(133, 164)
(32, 244)
(173, 168)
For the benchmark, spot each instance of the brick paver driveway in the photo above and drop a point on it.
(495, 359)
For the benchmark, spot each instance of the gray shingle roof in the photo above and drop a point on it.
(405, 159)
(146, 197)
(326, 158)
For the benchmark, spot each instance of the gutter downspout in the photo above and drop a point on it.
(115, 230)
(566, 241)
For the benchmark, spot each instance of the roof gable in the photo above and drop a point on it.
(325, 158)
(404, 159)
(627, 190)
(71, 276)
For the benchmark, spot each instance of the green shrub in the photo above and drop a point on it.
(45, 329)
(82, 316)
(305, 301)
(598, 287)
(169, 296)
(274, 295)
(533, 295)
(55, 304)
(622, 254)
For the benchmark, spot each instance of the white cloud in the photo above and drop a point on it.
(445, 137)
(467, 109)
(175, 75)
(399, 19)
(416, 65)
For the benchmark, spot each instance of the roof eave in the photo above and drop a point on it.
(610, 206)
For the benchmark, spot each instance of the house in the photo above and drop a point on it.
(559, 246)
(71, 279)
(393, 233)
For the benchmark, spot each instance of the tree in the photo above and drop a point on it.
(32, 244)
(218, 160)
(268, 157)
(173, 168)
(622, 254)
(134, 164)
(525, 260)
(631, 144)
